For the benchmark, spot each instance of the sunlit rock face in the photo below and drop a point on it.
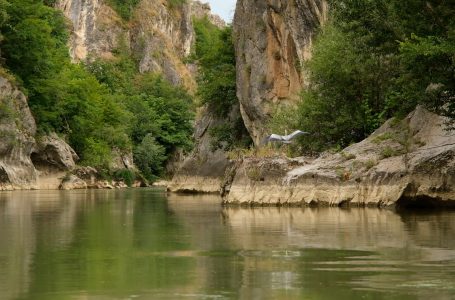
(273, 38)
(17, 138)
(159, 35)
(96, 27)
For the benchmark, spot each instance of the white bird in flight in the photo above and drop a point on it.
(285, 139)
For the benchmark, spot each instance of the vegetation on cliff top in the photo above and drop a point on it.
(373, 60)
(125, 8)
(98, 107)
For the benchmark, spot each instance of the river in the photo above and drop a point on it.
(144, 244)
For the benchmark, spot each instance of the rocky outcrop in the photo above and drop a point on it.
(72, 182)
(272, 39)
(411, 162)
(204, 169)
(96, 28)
(121, 160)
(45, 162)
(52, 152)
(17, 139)
(202, 10)
(160, 35)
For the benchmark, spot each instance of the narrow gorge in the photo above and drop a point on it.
(133, 104)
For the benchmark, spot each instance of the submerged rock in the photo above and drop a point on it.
(402, 162)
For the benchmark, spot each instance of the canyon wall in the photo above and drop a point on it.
(159, 35)
(273, 39)
(17, 138)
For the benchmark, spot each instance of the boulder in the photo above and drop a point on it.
(52, 152)
(72, 182)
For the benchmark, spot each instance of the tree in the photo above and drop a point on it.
(376, 59)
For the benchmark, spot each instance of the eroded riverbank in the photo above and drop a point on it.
(407, 162)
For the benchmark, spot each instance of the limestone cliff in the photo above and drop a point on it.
(160, 35)
(17, 136)
(273, 39)
(201, 10)
(401, 163)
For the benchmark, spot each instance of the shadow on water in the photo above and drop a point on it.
(424, 204)
(144, 244)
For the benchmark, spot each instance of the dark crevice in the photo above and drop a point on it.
(423, 203)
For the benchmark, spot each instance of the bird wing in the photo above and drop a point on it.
(275, 138)
(294, 134)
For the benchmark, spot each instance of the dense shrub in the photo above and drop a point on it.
(215, 55)
(124, 8)
(373, 60)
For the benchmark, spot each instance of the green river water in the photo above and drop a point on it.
(144, 244)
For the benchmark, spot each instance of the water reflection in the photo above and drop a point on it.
(142, 244)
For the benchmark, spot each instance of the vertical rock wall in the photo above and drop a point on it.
(273, 39)
(17, 138)
(96, 28)
(159, 35)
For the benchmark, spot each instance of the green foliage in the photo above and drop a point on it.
(373, 60)
(124, 8)
(215, 55)
(126, 175)
(149, 157)
(96, 153)
(230, 135)
(176, 3)
(216, 58)
(155, 107)
(3, 11)
(64, 97)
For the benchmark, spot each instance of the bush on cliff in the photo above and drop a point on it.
(215, 56)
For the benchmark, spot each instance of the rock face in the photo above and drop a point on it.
(410, 162)
(96, 27)
(17, 131)
(159, 35)
(162, 35)
(204, 170)
(52, 152)
(201, 10)
(272, 39)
